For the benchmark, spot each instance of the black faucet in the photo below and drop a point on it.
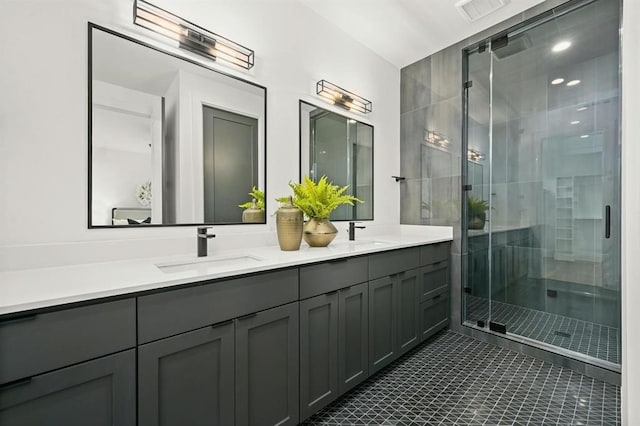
(202, 240)
(352, 230)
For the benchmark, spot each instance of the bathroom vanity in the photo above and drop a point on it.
(268, 343)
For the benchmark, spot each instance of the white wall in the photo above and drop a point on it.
(630, 213)
(127, 126)
(43, 115)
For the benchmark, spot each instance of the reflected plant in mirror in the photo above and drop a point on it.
(342, 148)
(254, 209)
(186, 138)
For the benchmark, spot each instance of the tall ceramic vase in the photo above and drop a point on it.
(289, 227)
(253, 214)
(319, 232)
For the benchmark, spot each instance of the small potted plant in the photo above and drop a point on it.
(254, 209)
(476, 212)
(317, 200)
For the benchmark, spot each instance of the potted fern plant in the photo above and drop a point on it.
(476, 212)
(317, 200)
(254, 209)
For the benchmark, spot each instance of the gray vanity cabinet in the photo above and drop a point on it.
(267, 367)
(353, 336)
(408, 286)
(188, 379)
(382, 323)
(72, 366)
(97, 392)
(434, 293)
(333, 346)
(394, 321)
(318, 352)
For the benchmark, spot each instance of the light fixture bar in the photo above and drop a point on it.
(436, 139)
(342, 98)
(190, 36)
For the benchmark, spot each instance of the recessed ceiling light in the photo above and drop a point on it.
(573, 83)
(582, 108)
(575, 122)
(584, 136)
(563, 45)
(557, 81)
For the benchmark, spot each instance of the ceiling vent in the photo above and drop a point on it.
(472, 10)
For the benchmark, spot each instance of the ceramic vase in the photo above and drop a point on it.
(319, 232)
(289, 227)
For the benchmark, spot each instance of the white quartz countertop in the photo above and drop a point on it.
(30, 289)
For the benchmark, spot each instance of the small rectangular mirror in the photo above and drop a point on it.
(340, 148)
(171, 141)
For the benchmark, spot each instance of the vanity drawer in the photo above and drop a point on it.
(35, 344)
(434, 253)
(172, 312)
(434, 314)
(435, 278)
(332, 275)
(392, 262)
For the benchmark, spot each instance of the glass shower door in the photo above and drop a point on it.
(546, 264)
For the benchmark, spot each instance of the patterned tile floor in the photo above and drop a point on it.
(585, 337)
(457, 380)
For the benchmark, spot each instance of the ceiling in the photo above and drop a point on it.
(404, 31)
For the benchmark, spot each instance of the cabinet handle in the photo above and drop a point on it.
(341, 260)
(222, 324)
(15, 383)
(19, 319)
(248, 316)
(607, 221)
(437, 296)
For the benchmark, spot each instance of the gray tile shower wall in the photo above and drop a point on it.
(431, 100)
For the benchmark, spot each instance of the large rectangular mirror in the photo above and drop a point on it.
(171, 141)
(340, 148)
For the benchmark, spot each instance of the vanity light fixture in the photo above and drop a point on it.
(557, 81)
(436, 139)
(342, 98)
(575, 122)
(584, 136)
(190, 36)
(573, 83)
(474, 155)
(584, 108)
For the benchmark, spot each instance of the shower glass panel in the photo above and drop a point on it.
(543, 121)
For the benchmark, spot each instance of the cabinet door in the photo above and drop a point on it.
(267, 367)
(318, 352)
(98, 392)
(382, 323)
(187, 379)
(353, 336)
(408, 288)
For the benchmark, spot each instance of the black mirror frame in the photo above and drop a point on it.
(300, 173)
(91, 26)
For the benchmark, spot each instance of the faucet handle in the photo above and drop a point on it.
(202, 231)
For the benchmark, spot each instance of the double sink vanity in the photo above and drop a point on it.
(254, 336)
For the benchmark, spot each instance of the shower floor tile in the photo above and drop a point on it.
(598, 341)
(457, 380)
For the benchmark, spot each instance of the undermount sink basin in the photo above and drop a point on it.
(204, 265)
(361, 243)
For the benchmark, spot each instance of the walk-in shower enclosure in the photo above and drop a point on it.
(540, 205)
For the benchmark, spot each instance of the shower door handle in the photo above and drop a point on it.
(607, 221)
